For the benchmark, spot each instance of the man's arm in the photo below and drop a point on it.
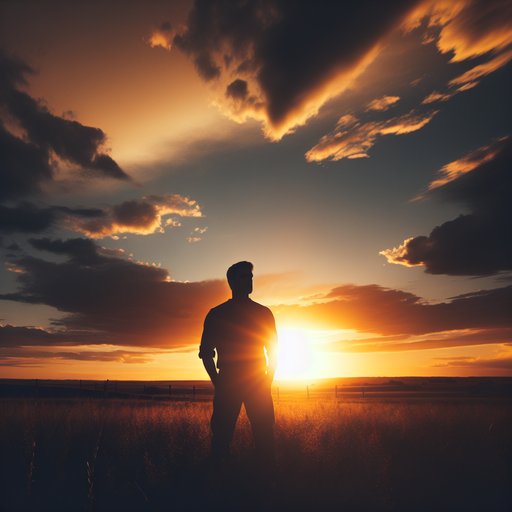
(207, 352)
(272, 347)
(209, 365)
(272, 362)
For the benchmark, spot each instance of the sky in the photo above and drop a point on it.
(357, 153)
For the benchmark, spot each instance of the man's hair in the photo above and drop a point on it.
(232, 272)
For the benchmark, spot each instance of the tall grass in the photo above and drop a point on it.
(331, 456)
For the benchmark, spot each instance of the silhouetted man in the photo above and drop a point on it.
(240, 330)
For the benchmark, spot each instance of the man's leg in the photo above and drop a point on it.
(226, 408)
(260, 411)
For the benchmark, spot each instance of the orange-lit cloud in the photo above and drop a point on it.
(453, 170)
(481, 70)
(140, 217)
(353, 140)
(280, 62)
(388, 312)
(162, 36)
(468, 29)
(477, 29)
(382, 103)
(475, 243)
(430, 341)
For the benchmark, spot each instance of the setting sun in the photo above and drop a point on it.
(296, 359)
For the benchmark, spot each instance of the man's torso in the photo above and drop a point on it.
(239, 331)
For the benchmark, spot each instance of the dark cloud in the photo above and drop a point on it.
(109, 299)
(474, 244)
(26, 217)
(25, 167)
(501, 363)
(20, 356)
(132, 216)
(288, 52)
(237, 89)
(29, 161)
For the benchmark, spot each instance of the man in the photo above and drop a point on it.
(240, 330)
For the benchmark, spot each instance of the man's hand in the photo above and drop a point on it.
(209, 365)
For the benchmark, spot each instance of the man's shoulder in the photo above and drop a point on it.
(229, 306)
(220, 309)
(260, 307)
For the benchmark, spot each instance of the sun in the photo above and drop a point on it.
(295, 359)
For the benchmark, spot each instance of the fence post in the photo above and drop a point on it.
(116, 386)
(307, 390)
(36, 387)
(169, 390)
(362, 389)
(194, 391)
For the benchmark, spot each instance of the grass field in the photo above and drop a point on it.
(129, 455)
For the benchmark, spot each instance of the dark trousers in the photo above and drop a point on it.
(230, 392)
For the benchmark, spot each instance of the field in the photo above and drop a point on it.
(352, 455)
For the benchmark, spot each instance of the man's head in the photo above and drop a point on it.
(240, 278)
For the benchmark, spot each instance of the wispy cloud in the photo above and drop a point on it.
(503, 362)
(382, 103)
(350, 139)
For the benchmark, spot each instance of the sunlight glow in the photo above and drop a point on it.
(295, 358)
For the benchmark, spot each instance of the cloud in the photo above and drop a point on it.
(477, 29)
(108, 299)
(141, 217)
(382, 103)
(132, 216)
(502, 362)
(33, 141)
(473, 244)
(26, 217)
(389, 312)
(468, 78)
(466, 30)
(162, 36)
(279, 62)
(429, 341)
(351, 139)
(22, 356)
